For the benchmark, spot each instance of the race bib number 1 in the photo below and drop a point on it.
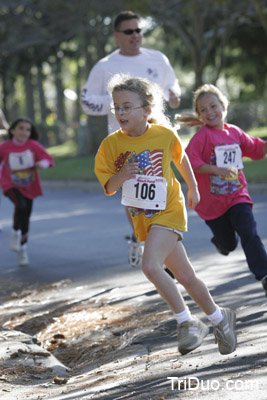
(21, 161)
(145, 191)
(229, 156)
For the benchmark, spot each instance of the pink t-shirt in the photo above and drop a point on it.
(19, 170)
(218, 194)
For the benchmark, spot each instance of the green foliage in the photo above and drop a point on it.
(259, 132)
(248, 115)
(255, 171)
(52, 45)
(247, 60)
(67, 149)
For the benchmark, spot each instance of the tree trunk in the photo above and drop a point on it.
(40, 80)
(43, 108)
(59, 90)
(29, 95)
(96, 131)
(77, 111)
(61, 117)
(4, 96)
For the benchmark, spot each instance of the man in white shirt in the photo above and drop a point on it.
(129, 58)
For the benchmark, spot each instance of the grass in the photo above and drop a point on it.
(67, 149)
(69, 167)
(259, 132)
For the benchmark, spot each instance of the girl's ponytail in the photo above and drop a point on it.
(186, 119)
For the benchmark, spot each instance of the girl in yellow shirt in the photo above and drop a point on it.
(137, 158)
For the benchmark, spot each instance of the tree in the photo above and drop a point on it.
(205, 26)
(261, 9)
(212, 38)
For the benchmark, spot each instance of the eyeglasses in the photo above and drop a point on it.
(124, 110)
(130, 31)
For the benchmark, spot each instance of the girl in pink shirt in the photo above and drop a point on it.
(215, 153)
(21, 156)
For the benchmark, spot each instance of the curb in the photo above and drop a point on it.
(89, 186)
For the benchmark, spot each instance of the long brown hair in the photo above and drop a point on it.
(34, 133)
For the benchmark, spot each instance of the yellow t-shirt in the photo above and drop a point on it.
(119, 148)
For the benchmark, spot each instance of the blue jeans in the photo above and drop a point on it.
(239, 221)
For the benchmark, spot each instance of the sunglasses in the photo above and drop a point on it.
(131, 31)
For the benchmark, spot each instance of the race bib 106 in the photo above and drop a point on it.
(145, 191)
(229, 155)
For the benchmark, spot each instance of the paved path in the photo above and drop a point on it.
(125, 347)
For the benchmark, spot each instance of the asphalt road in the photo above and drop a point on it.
(74, 234)
(79, 234)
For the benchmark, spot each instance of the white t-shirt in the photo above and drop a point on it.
(150, 64)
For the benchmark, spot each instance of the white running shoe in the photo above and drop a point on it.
(135, 252)
(23, 258)
(190, 335)
(225, 332)
(14, 242)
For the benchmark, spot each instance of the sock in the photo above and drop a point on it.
(23, 239)
(216, 317)
(24, 246)
(183, 316)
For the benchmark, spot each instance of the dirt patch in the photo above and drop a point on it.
(78, 333)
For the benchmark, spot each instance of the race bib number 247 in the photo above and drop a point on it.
(229, 156)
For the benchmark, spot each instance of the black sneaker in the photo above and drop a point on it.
(218, 248)
(264, 284)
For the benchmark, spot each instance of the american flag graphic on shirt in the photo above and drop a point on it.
(151, 162)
